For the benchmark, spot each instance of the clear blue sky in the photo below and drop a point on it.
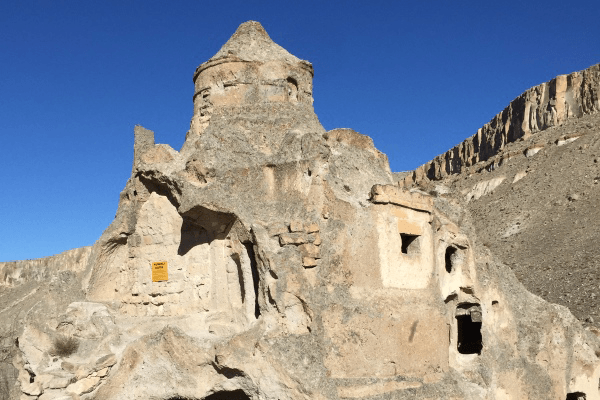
(418, 77)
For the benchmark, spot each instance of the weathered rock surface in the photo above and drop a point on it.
(14, 273)
(541, 220)
(534, 200)
(547, 105)
(291, 266)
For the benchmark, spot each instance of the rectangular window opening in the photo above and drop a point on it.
(410, 243)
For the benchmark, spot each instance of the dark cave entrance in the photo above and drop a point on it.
(449, 258)
(202, 225)
(576, 396)
(468, 325)
(228, 395)
(222, 395)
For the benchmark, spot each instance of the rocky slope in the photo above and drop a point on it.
(14, 273)
(545, 225)
(34, 289)
(535, 201)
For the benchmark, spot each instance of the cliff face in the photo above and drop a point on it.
(541, 107)
(14, 273)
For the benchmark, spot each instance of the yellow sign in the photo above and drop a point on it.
(160, 271)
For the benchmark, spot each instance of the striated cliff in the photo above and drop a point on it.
(539, 108)
(13, 273)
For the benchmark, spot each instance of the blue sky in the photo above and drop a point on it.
(418, 77)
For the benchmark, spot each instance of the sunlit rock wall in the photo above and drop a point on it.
(541, 107)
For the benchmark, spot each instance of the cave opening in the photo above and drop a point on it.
(576, 396)
(202, 225)
(468, 324)
(292, 89)
(192, 235)
(228, 395)
(450, 256)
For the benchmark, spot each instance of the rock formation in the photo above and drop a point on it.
(538, 211)
(15, 273)
(534, 198)
(537, 109)
(271, 259)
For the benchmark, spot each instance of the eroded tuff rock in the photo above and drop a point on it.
(547, 105)
(297, 269)
(14, 273)
(538, 211)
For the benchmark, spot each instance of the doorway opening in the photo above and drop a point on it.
(468, 325)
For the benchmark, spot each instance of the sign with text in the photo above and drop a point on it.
(160, 271)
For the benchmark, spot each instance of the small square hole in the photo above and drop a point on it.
(410, 243)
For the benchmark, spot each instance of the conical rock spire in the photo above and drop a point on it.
(251, 42)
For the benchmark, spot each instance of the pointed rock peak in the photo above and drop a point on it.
(251, 42)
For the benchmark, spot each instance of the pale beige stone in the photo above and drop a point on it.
(484, 187)
(405, 247)
(15, 273)
(317, 239)
(105, 362)
(519, 175)
(312, 227)
(567, 139)
(533, 150)
(376, 389)
(32, 389)
(395, 195)
(385, 346)
(296, 226)
(309, 261)
(278, 229)
(57, 395)
(84, 385)
(58, 381)
(293, 238)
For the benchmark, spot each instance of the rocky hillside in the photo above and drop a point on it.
(14, 273)
(547, 105)
(533, 193)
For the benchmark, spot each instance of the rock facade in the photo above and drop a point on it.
(539, 108)
(292, 266)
